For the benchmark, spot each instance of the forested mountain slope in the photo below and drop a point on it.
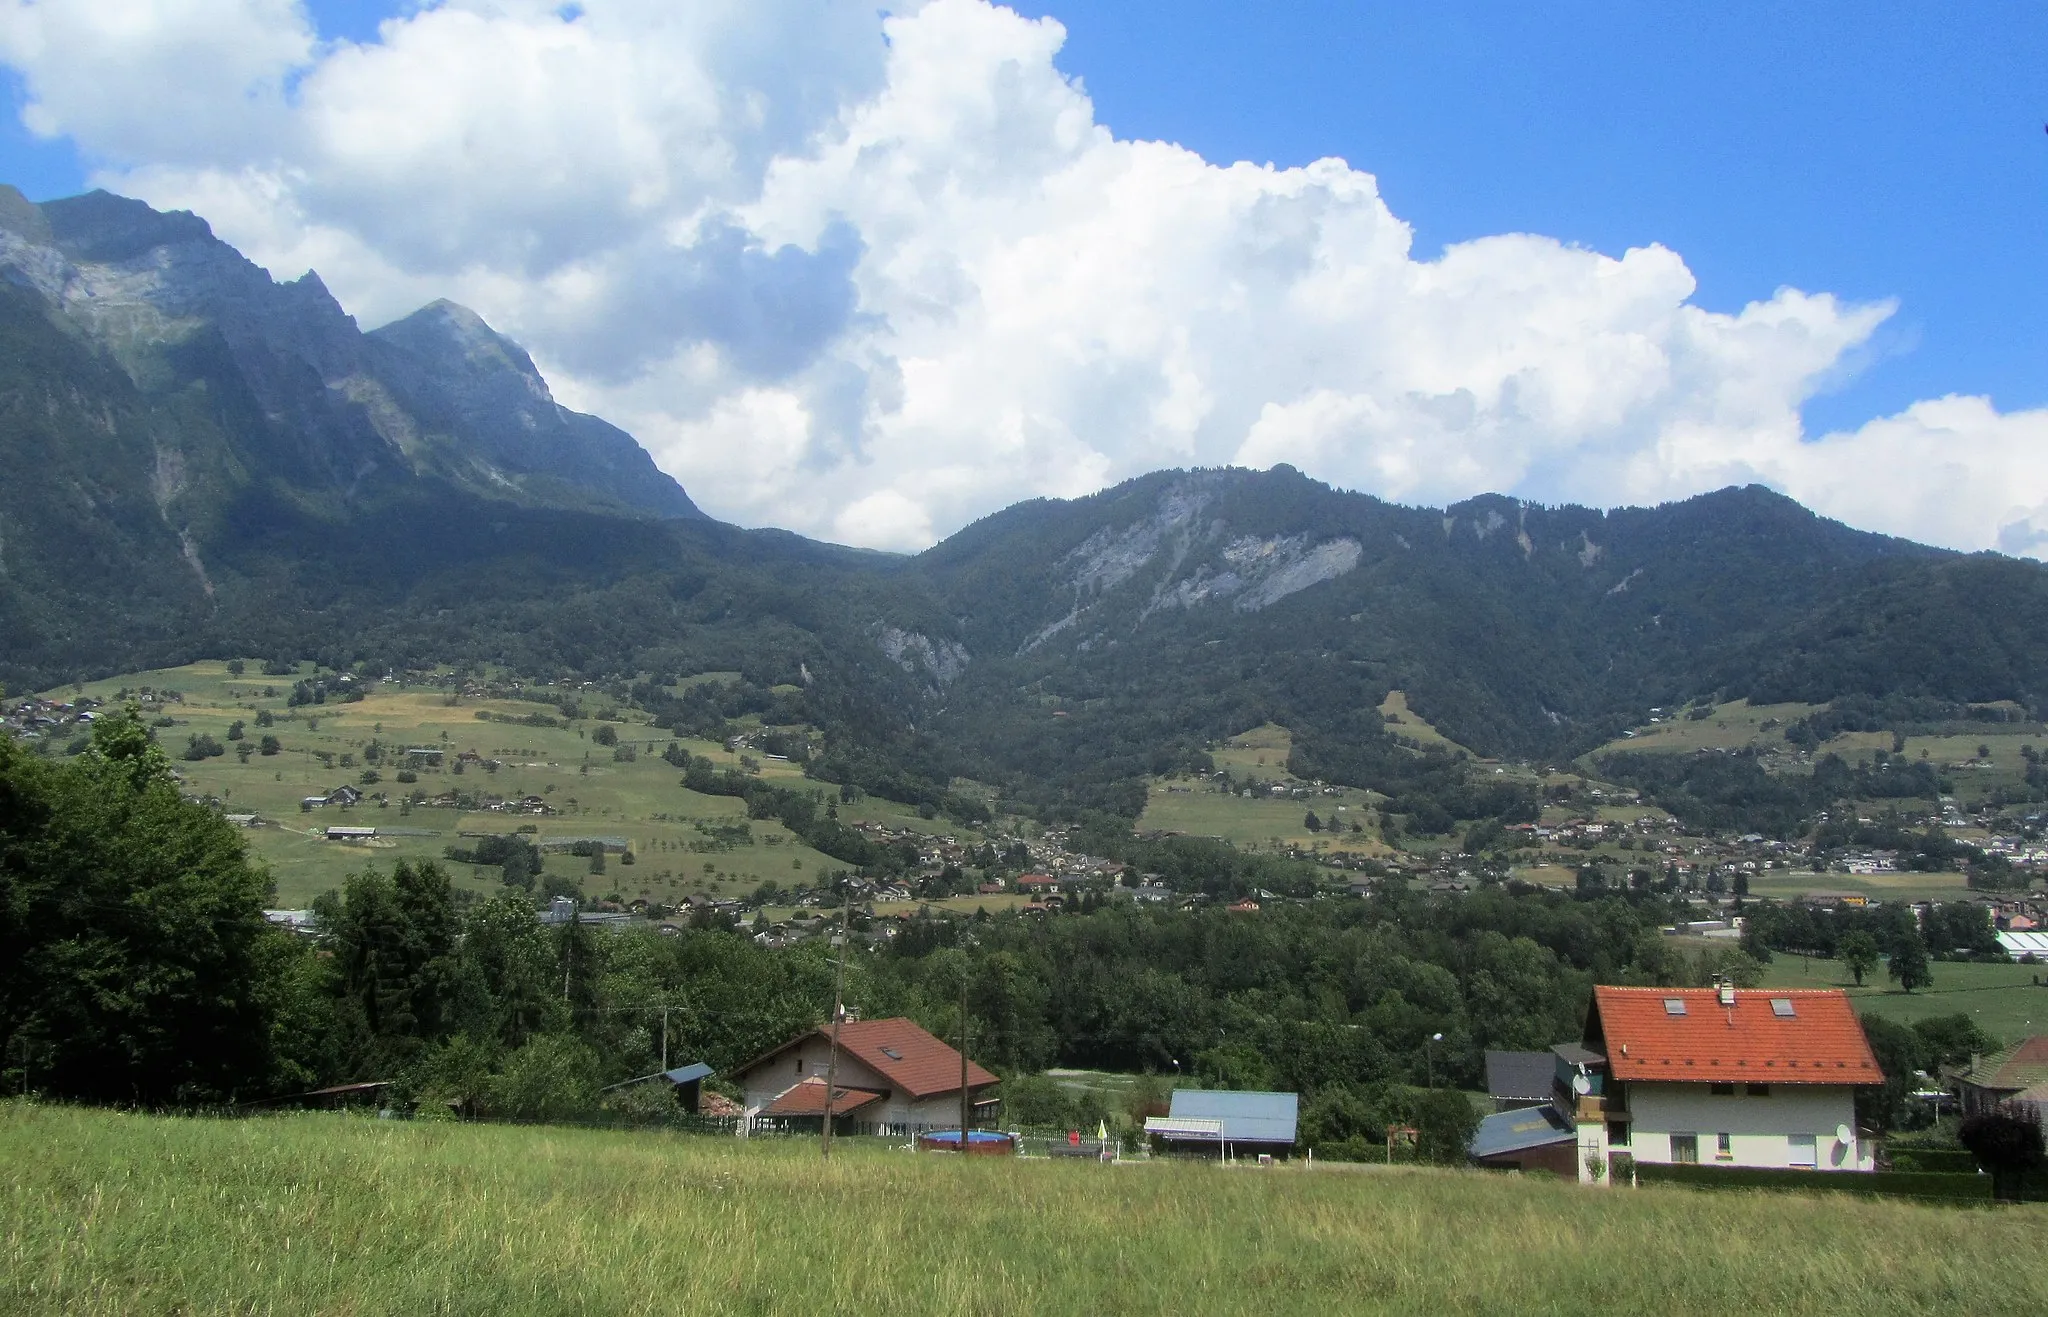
(1187, 605)
(202, 461)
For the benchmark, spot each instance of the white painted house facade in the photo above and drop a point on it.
(1721, 1077)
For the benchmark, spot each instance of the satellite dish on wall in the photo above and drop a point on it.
(1843, 1134)
(1581, 1085)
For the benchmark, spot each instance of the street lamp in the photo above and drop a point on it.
(1430, 1052)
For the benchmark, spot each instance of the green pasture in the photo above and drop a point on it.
(106, 1213)
(2003, 999)
(1730, 726)
(1404, 721)
(1194, 806)
(1791, 884)
(1261, 752)
(592, 792)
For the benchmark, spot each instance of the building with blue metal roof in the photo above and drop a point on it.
(1529, 1138)
(1255, 1122)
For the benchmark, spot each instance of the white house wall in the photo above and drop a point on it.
(1761, 1128)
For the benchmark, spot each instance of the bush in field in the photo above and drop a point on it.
(650, 1101)
(551, 1078)
(1347, 1123)
(1039, 1100)
(2006, 1141)
(454, 1078)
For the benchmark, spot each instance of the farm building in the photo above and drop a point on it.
(1721, 1076)
(2014, 1074)
(1233, 1124)
(891, 1074)
(2022, 943)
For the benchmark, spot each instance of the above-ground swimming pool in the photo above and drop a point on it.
(980, 1143)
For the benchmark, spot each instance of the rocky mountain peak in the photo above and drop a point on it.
(453, 342)
(102, 228)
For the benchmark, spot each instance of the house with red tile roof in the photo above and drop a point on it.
(891, 1074)
(1720, 1076)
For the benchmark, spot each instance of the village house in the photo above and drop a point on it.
(1726, 1076)
(1717, 1076)
(2014, 1074)
(891, 1074)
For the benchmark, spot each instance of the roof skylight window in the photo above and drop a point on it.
(1782, 1008)
(892, 1054)
(1674, 1005)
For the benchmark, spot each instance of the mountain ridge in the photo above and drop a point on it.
(207, 462)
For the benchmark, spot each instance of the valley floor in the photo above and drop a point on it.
(110, 1213)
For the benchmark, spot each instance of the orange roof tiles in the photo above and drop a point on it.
(1820, 1042)
(807, 1098)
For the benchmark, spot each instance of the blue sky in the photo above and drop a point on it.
(1873, 151)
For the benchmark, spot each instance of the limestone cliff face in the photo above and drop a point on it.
(308, 398)
(481, 390)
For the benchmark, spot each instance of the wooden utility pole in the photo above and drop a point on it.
(964, 1101)
(838, 1014)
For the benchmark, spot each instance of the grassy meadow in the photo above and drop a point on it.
(1404, 721)
(1901, 885)
(2003, 999)
(1739, 724)
(1263, 822)
(1730, 726)
(109, 1213)
(593, 792)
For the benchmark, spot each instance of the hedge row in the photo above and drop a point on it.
(1890, 1184)
(1953, 1161)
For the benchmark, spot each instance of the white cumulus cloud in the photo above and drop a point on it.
(869, 277)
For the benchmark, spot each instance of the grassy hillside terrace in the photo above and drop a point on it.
(589, 789)
(111, 1213)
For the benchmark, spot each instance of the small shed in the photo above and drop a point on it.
(688, 1082)
(1526, 1139)
(1231, 1122)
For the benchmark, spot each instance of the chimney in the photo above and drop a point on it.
(1727, 993)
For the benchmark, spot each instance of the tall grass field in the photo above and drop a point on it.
(111, 1213)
